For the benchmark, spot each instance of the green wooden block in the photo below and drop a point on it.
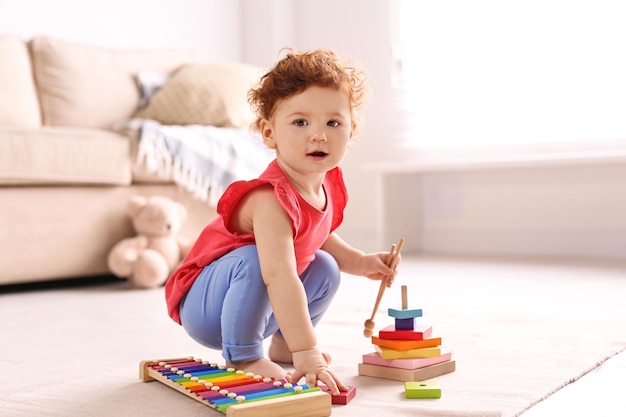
(422, 389)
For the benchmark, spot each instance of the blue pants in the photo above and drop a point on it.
(228, 307)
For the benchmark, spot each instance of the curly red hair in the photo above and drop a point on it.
(297, 71)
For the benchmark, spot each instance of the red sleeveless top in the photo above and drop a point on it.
(311, 227)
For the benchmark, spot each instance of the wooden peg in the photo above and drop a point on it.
(405, 301)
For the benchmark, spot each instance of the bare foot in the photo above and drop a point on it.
(279, 351)
(264, 367)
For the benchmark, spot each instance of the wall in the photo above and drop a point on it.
(210, 27)
(249, 30)
(562, 208)
(577, 212)
(567, 210)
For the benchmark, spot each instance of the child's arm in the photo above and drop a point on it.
(274, 239)
(356, 262)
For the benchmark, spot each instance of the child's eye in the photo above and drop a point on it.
(333, 123)
(300, 122)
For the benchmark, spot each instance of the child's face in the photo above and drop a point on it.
(311, 131)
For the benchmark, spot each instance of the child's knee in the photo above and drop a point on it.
(324, 271)
(329, 265)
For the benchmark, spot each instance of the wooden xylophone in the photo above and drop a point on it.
(235, 392)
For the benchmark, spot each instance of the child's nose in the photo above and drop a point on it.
(319, 136)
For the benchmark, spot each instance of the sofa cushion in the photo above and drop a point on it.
(205, 94)
(19, 106)
(91, 86)
(53, 155)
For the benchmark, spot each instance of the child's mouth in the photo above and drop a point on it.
(318, 154)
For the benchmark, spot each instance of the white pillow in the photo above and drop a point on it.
(149, 82)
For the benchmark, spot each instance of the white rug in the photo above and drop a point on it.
(518, 332)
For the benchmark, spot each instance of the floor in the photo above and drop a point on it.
(600, 393)
(605, 385)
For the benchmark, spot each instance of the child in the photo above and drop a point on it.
(270, 264)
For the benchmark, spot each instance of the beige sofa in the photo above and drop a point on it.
(65, 174)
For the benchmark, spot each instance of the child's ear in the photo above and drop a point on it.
(354, 126)
(267, 133)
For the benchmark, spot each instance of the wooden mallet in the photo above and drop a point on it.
(391, 263)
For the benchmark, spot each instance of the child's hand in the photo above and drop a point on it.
(311, 365)
(374, 266)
